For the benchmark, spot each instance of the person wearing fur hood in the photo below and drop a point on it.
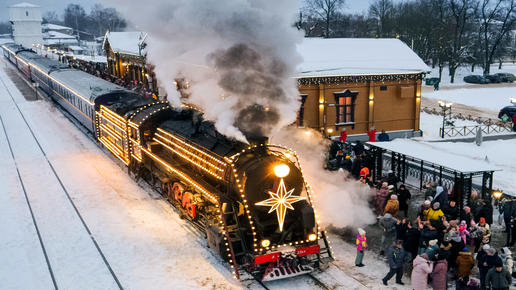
(463, 231)
(507, 260)
(361, 247)
(465, 264)
(422, 267)
(392, 206)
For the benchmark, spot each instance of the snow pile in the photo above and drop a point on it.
(235, 54)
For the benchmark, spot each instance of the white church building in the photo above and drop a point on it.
(26, 22)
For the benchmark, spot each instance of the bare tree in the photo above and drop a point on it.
(75, 16)
(51, 17)
(498, 18)
(383, 12)
(306, 23)
(326, 10)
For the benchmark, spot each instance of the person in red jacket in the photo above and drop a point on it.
(343, 135)
(514, 122)
(372, 134)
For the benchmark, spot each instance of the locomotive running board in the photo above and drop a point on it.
(277, 273)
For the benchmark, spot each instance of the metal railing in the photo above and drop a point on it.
(488, 126)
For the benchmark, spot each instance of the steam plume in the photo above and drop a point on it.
(235, 54)
(339, 202)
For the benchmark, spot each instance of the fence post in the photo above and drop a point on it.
(421, 177)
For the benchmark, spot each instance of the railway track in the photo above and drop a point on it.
(34, 217)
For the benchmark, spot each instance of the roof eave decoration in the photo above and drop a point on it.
(359, 79)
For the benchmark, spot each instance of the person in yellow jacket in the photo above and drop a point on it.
(434, 213)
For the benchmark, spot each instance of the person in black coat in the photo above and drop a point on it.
(356, 167)
(440, 227)
(451, 211)
(412, 243)
(404, 197)
(401, 229)
(359, 148)
(367, 160)
(347, 164)
(393, 179)
(486, 211)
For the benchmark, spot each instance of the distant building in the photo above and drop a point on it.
(126, 58)
(57, 28)
(59, 40)
(26, 20)
(359, 83)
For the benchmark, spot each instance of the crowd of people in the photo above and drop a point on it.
(441, 239)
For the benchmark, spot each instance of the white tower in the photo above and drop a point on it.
(26, 21)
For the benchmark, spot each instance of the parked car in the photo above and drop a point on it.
(494, 78)
(475, 79)
(506, 77)
(509, 111)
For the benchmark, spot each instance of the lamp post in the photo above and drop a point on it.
(445, 107)
(329, 132)
(513, 101)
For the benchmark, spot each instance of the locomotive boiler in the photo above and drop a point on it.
(251, 200)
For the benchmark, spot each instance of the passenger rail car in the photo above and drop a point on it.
(251, 200)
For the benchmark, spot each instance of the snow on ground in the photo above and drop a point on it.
(466, 71)
(500, 153)
(141, 236)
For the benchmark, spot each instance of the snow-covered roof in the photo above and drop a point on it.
(55, 26)
(75, 48)
(125, 41)
(55, 34)
(357, 56)
(24, 5)
(86, 85)
(431, 154)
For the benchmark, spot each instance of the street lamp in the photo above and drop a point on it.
(329, 132)
(513, 101)
(445, 107)
(497, 193)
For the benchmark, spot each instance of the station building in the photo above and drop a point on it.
(359, 83)
(126, 59)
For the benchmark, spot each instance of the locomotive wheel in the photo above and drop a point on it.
(165, 189)
(187, 203)
(177, 192)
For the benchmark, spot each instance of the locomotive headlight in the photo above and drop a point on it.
(312, 237)
(281, 170)
(265, 243)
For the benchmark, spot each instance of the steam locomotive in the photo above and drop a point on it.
(251, 200)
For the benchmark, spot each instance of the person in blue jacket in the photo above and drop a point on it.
(383, 137)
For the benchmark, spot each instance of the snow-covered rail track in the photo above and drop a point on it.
(59, 245)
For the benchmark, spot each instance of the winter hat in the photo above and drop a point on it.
(341, 170)
(361, 232)
(402, 186)
(498, 264)
(391, 186)
(482, 220)
(467, 208)
(427, 202)
(390, 171)
(463, 224)
(424, 256)
(436, 203)
(385, 184)
(486, 247)
(505, 250)
(432, 242)
(492, 251)
(394, 196)
(465, 250)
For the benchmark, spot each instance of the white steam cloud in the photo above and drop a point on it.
(235, 54)
(339, 202)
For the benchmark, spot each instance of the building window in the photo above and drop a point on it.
(345, 106)
(26, 13)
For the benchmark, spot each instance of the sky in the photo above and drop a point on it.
(59, 5)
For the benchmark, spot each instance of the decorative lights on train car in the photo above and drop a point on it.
(312, 237)
(265, 243)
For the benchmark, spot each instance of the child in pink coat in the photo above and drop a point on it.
(463, 231)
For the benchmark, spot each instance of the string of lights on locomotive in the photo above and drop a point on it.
(252, 201)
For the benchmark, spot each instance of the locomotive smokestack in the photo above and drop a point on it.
(258, 141)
